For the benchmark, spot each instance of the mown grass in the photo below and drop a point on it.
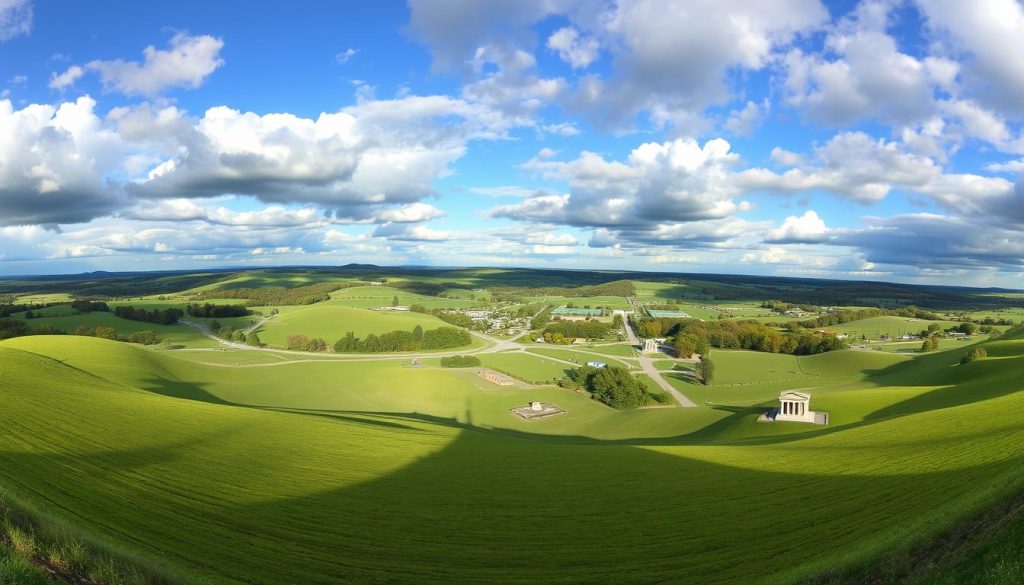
(374, 472)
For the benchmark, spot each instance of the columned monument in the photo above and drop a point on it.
(795, 407)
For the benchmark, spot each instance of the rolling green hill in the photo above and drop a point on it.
(325, 467)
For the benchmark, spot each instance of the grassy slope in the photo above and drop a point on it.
(918, 445)
(177, 334)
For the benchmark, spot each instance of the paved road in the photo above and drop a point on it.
(647, 365)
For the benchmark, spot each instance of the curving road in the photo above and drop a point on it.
(647, 365)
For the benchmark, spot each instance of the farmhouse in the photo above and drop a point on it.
(795, 407)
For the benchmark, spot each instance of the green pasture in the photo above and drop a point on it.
(331, 322)
(529, 367)
(374, 471)
(875, 327)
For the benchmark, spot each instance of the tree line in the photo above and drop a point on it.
(731, 334)
(460, 361)
(159, 316)
(209, 311)
(588, 329)
(416, 340)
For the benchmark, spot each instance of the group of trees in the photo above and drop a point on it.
(687, 344)
(305, 343)
(931, 343)
(973, 354)
(209, 311)
(460, 361)
(731, 334)
(10, 327)
(158, 316)
(415, 340)
(612, 385)
(588, 329)
(237, 335)
(84, 306)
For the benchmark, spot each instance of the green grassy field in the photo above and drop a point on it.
(875, 327)
(331, 322)
(529, 367)
(325, 467)
(372, 297)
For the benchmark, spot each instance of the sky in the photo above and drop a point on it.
(876, 140)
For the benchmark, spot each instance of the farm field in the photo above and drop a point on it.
(407, 435)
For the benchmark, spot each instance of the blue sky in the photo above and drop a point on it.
(867, 140)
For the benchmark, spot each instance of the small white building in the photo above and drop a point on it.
(796, 407)
(650, 346)
(595, 364)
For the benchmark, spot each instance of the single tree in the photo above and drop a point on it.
(706, 369)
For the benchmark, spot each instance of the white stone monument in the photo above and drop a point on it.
(650, 346)
(796, 407)
(536, 406)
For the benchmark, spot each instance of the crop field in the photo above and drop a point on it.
(378, 452)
